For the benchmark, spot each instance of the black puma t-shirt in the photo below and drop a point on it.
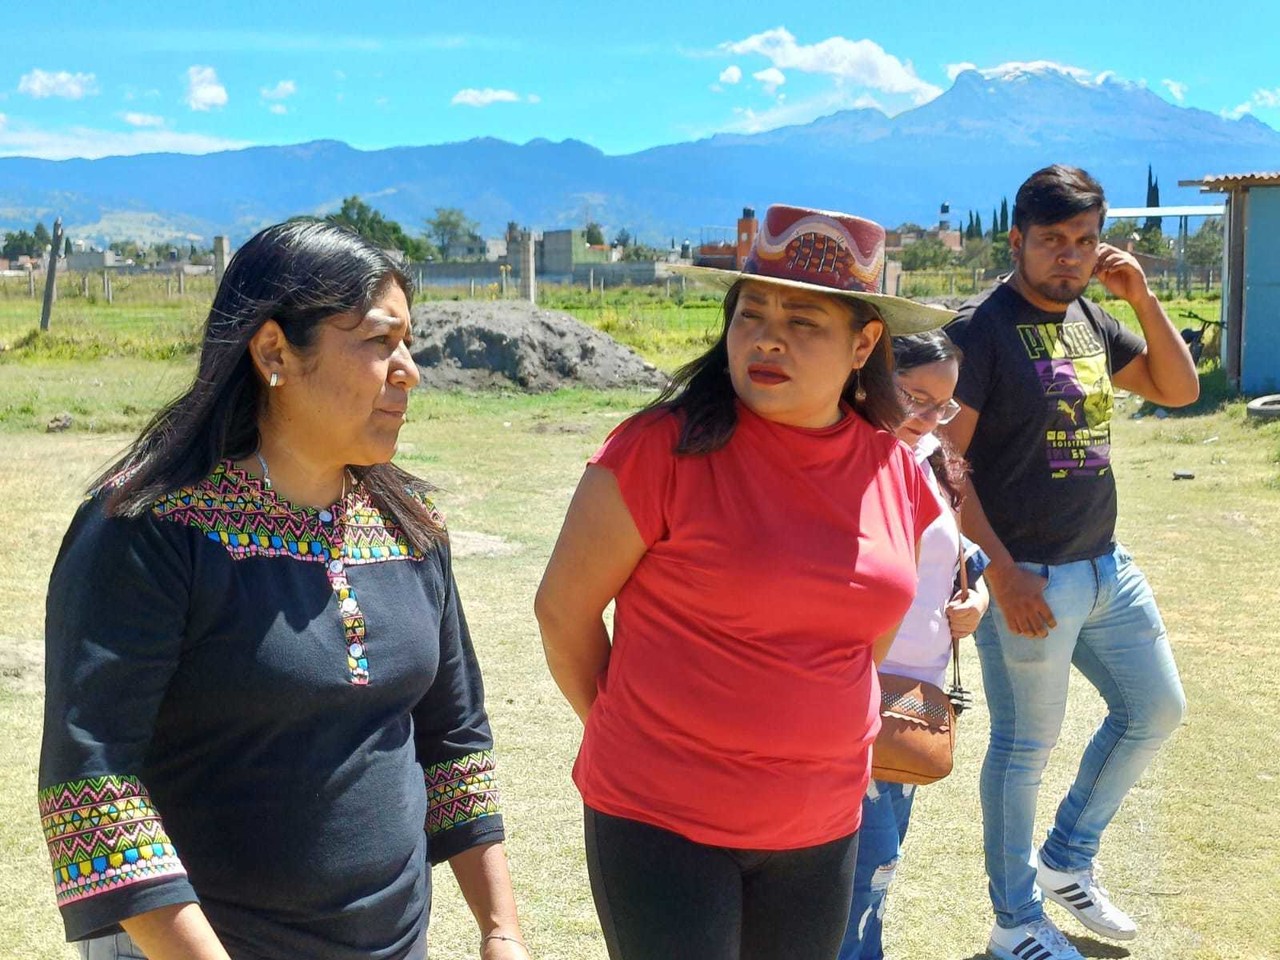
(1041, 452)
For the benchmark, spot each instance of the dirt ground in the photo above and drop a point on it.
(470, 344)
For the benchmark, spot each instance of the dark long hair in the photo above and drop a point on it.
(920, 350)
(702, 390)
(301, 274)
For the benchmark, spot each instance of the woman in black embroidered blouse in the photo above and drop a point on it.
(264, 717)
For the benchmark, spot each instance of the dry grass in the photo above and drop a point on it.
(1194, 852)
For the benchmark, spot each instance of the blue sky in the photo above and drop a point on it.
(91, 79)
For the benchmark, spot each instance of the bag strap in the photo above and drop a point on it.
(964, 595)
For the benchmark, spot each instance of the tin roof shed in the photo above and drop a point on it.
(1250, 277)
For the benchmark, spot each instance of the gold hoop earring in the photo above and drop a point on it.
(859, 394)
(274, 381)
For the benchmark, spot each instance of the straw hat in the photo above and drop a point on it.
(827, 252)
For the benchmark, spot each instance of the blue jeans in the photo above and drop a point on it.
(1110, 629)
(886, 812)
(118, 946)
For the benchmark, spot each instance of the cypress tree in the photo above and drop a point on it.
(1004, 214)
(1153, 200)
(977, 226)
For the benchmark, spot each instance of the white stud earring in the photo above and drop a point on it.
(274, 381)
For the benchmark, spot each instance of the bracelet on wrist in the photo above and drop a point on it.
(502, 936)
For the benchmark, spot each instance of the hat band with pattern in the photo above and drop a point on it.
(820, 250)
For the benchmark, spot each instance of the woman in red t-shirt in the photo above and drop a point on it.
(757, 529)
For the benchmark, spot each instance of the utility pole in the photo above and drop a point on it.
(51, 274)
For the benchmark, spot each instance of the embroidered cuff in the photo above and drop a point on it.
(460, 791)
(103, 834)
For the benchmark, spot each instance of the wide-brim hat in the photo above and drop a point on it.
(826, 252)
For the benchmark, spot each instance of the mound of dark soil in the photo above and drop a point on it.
(473, 344)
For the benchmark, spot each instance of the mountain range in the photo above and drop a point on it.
(970, 146)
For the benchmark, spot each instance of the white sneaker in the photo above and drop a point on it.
(1083, 897)
(1037, 940)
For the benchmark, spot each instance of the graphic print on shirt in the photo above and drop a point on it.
(1071, 363)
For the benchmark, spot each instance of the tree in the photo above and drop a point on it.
(1119, 233)
(126, 250)
(623, 238)
(977, 226)
(1004, 215)
(450, 229)
(42, 239)
(1204, 247)
(1154, 243)
(1153, 200)
(977, 253)
(1001, 258)
(927, 253)
(19, 244)
(358, 216)
(641, 251)
(66, 247)
(595, 234)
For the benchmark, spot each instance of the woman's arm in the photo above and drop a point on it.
(880, 648)
(485, 883)
(965, 612)
(179, 932)
(598, 548)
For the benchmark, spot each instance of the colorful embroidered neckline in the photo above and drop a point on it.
(235, 509)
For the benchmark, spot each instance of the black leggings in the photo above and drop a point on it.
(663, 897)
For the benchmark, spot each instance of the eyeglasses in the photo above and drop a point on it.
(941, 413)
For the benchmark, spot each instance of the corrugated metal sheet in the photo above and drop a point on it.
(1229, 181)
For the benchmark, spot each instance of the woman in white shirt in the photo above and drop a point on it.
(927, 365)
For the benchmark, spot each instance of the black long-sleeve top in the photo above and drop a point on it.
(270, 710)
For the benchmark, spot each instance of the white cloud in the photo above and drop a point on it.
(955, 69)
(142, 119)
(1262, 98)
(471, 97)
(27, 141)
(533, 98)
(204, 91)
(69, 86)
(279, 109)
(771, 78)
(731, 74)
(1267, 98)
(1176, 90)
(3, 120)
(868, 102)
(863, 62)
(281, 91)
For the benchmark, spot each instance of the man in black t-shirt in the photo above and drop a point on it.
(1040, 365)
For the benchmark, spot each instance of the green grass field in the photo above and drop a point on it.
(1194, 853)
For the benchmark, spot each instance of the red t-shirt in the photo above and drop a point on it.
(740, 702)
